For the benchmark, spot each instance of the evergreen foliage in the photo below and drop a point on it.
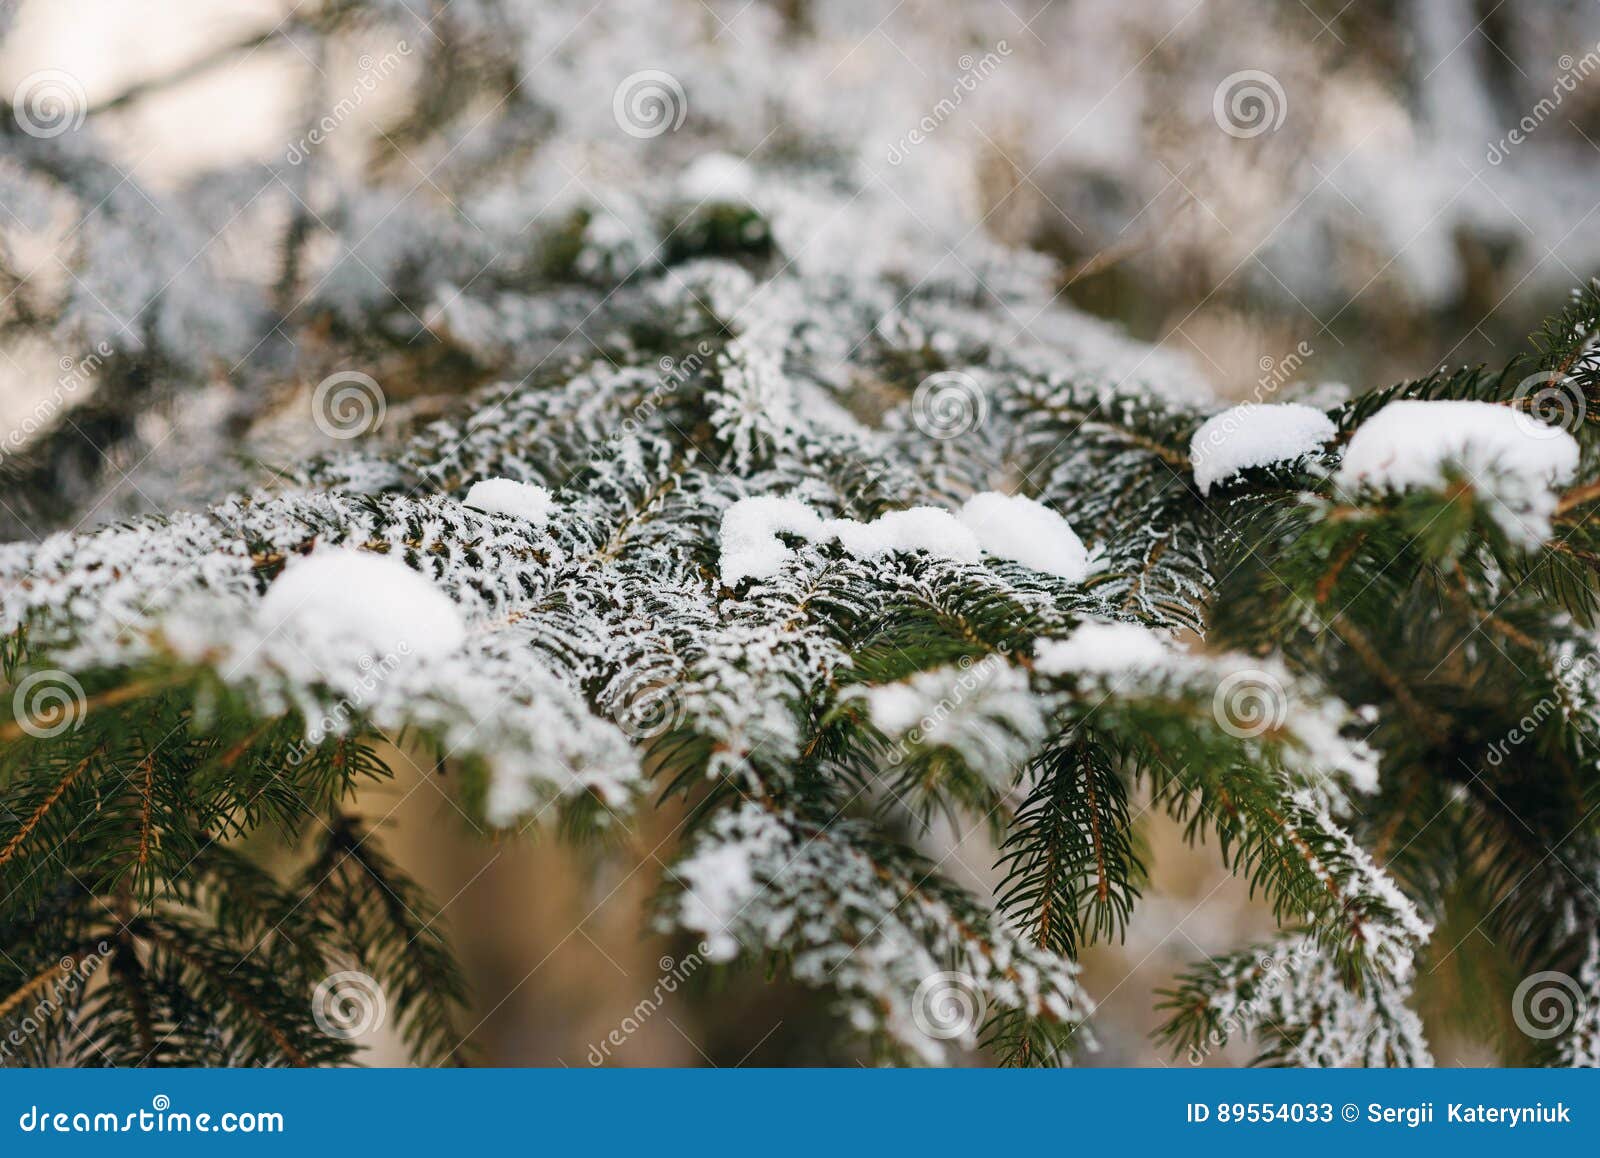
(1417, 665)
(757, 702)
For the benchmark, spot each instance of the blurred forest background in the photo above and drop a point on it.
(1364, 215)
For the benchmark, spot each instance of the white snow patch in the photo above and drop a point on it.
(504, 496)
(343, 603)
(1104, 648)
(1408, 443)
(895, 708)
(751, 548)
(719, 882)
(917, 529)
(1515, 457)
(1318, 726)
(1255, 434)
(750, 528)
(1006, 526)
(1017, 528)
(717, 177)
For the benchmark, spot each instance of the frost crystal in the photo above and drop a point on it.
(873, 929)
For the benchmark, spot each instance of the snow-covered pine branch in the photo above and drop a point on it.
(746, 484)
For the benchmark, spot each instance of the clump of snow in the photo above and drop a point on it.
(1017, 528)
(983, 711)
(1250, 697)
(717, 177)
(343, 602)
(504, 496)
(1323, 748)
(1006, 526)
(719, 882)
(750, 529)
(751, 548)
(1513, 456)
(896, 708)
(1408, 443)
(1255, 434)
(1104, 648)
(918, 529)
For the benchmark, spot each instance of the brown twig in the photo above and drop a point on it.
(45, 806)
